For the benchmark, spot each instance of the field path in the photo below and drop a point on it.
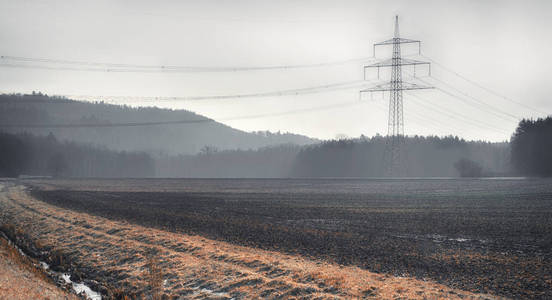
(112, 256)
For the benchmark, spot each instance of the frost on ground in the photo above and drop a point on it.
(115, 257)
(80, 288)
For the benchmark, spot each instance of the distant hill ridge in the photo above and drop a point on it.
(188, 138)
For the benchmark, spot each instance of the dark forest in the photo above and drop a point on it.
(27, 154)
(532, 147)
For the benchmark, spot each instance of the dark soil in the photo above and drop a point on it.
(496, 239)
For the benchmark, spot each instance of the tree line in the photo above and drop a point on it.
(423, 157)
(28, 154)
(529, 153)
(362, 157)
(532, 147)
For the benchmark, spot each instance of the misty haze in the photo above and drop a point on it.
(275, 149)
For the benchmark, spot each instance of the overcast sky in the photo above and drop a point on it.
(504, 46)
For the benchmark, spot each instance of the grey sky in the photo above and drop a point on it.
(503, 45)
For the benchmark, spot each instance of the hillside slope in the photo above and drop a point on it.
(186, 138)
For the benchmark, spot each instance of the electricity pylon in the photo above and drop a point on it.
(394, 158)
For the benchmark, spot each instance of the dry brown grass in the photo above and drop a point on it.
(24, 262)
(154, 276)
(21, 279)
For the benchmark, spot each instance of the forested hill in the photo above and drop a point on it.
(179, 138)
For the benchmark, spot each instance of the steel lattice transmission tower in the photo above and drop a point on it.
(394, 158)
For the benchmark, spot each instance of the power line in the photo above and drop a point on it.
(289, 92)
(154, 123)
(489, 108)
(483, 87)
(472, 121)
(79, 69)
(89, 69)
(464, 100)
(422, 120)
(454, 115)
(139, 68)
(301, 91)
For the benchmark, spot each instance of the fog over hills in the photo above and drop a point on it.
(94, 123)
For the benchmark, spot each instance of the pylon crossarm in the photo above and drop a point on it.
(401, 62)
(396, 40)
(389, 87)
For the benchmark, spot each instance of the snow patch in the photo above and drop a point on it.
(80, 288)
(211, 292)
